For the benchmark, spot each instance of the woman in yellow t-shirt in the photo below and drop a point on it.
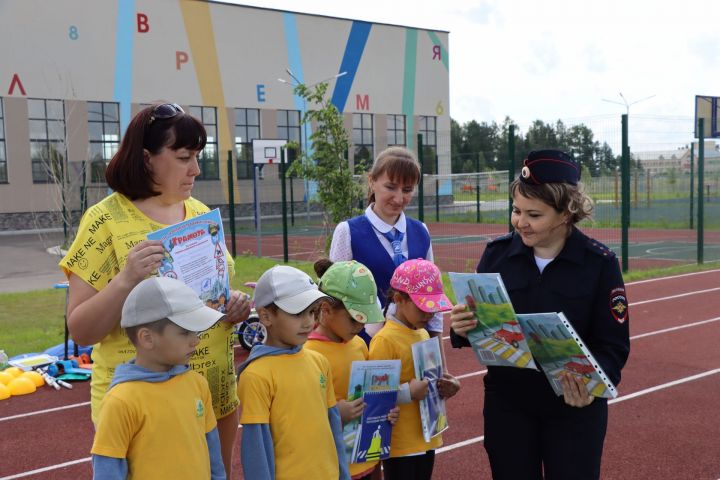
(152, 176)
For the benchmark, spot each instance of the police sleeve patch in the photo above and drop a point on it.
(618, 304)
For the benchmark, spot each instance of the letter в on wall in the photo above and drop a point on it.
(143, 25)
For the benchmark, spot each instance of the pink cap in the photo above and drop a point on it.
(422, 281)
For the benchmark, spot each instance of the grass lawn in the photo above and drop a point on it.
(33, 321)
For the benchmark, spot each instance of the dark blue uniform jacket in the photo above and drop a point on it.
(584, 282)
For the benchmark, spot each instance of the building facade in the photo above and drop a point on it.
(74, 72)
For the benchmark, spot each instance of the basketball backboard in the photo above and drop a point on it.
(708, 108)
(267, 151)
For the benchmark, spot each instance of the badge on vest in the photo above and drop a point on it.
(199, 408)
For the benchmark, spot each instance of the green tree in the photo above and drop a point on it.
(327, 164)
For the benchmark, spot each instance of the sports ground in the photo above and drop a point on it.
(664, 423)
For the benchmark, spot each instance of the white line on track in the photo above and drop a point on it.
(672, 329)
(672, 277)
(664, 330)
(49, 410)
(629, 396)
(466, 375)
(660, 299)
(447, 448)
(454, 446)
(47, 469)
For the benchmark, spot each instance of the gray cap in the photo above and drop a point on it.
(292, 290)
(156, 298)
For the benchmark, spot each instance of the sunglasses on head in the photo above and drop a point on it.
(165, 111)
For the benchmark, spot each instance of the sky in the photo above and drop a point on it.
(558, 59)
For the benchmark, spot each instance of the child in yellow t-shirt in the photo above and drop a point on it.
(350, 305)
(291, 424)
(156, 407)
(417, 291)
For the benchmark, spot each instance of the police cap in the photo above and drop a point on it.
(549, 166)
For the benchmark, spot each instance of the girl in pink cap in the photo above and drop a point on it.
(416, 290)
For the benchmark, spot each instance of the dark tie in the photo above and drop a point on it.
(396, 242)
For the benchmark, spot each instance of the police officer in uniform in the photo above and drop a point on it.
(549, 265)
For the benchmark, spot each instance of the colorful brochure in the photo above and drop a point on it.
(368, 437)
(560, 350)
(498, 338)
(195, 253)
(428, 364)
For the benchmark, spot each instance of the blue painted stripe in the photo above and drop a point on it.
(292, 41)
(359, 33)
(124, 35)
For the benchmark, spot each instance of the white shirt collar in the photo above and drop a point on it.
(380, 225)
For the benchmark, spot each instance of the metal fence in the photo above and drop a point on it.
(651, 207)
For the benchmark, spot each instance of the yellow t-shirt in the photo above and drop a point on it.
(292, 393)
(158, 427)
(341, 356)
(394, 341)
(107, 232)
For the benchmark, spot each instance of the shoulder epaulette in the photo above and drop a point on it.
(502, 238)
(599, 248)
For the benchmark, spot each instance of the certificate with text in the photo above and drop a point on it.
(195, 254)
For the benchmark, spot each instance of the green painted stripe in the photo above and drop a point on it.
(443, 51)
(408, 102)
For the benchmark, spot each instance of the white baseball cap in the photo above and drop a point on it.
(156, 298)
(292, 290)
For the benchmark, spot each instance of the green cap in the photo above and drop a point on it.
(352, 283)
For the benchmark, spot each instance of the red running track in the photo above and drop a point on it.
(655, 431)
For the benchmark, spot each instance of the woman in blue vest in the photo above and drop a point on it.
(384, 237)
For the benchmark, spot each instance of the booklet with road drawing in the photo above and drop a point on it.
(195, 254)
(368, 437)
(526, 340)
(498, 338)
(559, 349)
(428, 364)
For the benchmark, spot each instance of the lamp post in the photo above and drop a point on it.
(625, 103)
(306, 127)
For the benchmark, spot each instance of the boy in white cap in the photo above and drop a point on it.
(291, 424)
(157, 420)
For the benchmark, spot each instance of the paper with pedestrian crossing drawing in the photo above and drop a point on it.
(559, 350)
(498, 338)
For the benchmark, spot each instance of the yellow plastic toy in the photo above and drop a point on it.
(4, 391)
(35, 377)
(14, 371)
(5, 378)
(21, 386)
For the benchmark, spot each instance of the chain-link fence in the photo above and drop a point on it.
(646, 202)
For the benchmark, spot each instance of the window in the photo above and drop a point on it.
(396, 130)
(3, 157)
(362, 138)
(104, 137)
(47, 139)
(208, 158)
(288, 128)
(428, 131)
(247, 129)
